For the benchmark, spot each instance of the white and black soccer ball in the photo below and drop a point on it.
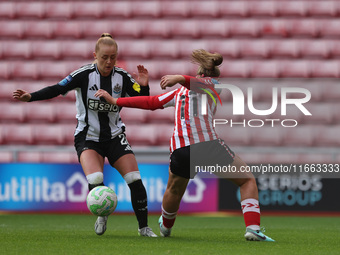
(101, 201)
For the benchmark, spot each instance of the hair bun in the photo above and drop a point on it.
(106, 35)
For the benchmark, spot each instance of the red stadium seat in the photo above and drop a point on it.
(187, 46)
(93, 30)
(12, 112)
(323, 8)
(233, 8)
(273, 28)
(24, 70)
(285, 48)
(265, 69)
(6, 156)
(41, 29)
(5, 71)
(262, 8)
(30, 156)
(164, 134)
(266, 135)
(326, 69)
(297, 69)
(87, 10)
(315, 49)
(328, 136)
(68, 29)
(244, 28)
(304, 27)
(126, 28)
(145, 135)
(7, 10)
(17, 50)
(135, 48)
(149, 28)
(164, 49)
(300, 136)
(59, 10)
(149, 9)
(47, 134)
(77, 49)
(209, 9)
(227, 48)
(254, 49)
(53, 70)
(118, 9)
(237, 68)
(43, 112)
(158, 116)
(46, 50)
(214, 28)
(322, 113)
(30, 9)
(236, 135)
(12, 29)
(134, 116)
(59, 157)
(175, 9)
(186, 28)
(65, 112)
(293, 8)
(18, 134)
(330, 90)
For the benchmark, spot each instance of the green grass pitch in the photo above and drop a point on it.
(74, 234)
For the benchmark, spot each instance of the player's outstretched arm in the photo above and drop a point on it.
(171, 80)
(22, 95)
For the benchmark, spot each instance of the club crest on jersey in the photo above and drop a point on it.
(117, 89)
(65, 81)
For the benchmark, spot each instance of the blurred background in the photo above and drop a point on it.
(267, 43)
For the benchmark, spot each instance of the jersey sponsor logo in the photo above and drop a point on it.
(117, 89)
(94, 87)
(65, 81)
(99, 106)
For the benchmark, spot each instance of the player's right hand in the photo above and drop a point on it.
(22, 95)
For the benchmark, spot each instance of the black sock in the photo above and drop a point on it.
(91, 186)
(139, 202)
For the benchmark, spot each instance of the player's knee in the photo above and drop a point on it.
(95, 179)
(132, 177)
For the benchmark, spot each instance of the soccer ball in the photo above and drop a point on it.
(101, 201)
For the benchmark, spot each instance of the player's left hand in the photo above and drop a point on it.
(142, 78)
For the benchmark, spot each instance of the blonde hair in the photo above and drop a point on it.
(107, 39)
(208, 62)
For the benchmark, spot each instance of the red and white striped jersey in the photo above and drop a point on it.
(191, 126)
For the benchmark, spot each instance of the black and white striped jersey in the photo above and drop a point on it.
(98, 119)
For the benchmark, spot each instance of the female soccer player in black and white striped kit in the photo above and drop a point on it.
(100, 130)
(195, 143)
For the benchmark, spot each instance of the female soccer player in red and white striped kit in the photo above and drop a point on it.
(195, 142)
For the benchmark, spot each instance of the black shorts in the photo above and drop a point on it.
(184, 160)
(113, 149)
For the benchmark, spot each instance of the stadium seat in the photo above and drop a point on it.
(40, 112)
(318, 49)
(87, 10)
(7, 10)
(265, 69)
(6, 157)
(12, 112)
(164, 134)
(262, 8)
(65, 112)
(185, 47)
(135, 49)
(148, 9)
(68, 132)
(316, 158)
(12, 29)
(244, 28)
(240, 69)
(325, 69)
(292, 8)
(207, 9)
(236, 135)
(285, 49)
(68, 29)
(62, 10)
(328, 136)
(227, 48)
(5, 71)
(53, 70)
(30, 156)
(126, 28)
(134, 116)
(330, 90)
(59, 157)
(18, 134)
(41, 29)
(47, 134)
(300, 136)
(296, 69)
(16, 50)
(233, 8)
(30, 9)
(273, 28)
(329, 28)
(77, 49)
(266, 135)
(24, 70)
(93, 30)
(188, 28)
(254, 49)
(46, 49)
(159, 29)
(323, 8)
(322, 113)
(179, 9)
(144, 135)
(118, 9)
(304, 28)
(164, 49)
(166, 115)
